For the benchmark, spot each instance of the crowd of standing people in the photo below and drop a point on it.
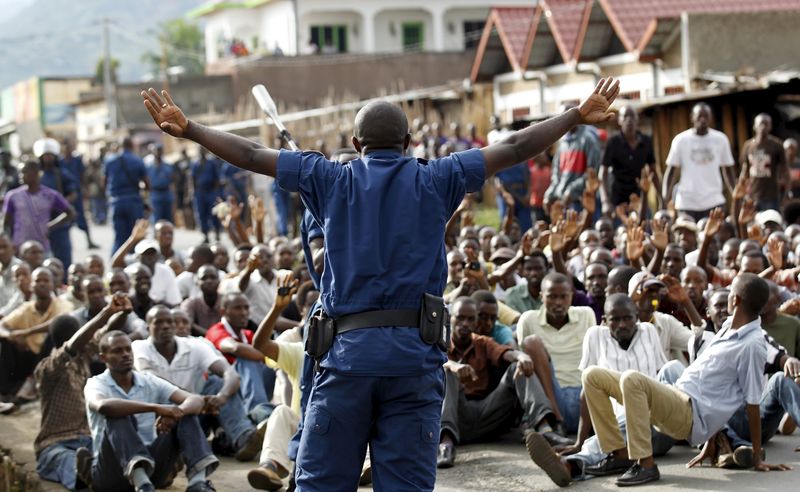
(611, 315)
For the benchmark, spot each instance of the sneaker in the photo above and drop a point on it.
(251, 443)
(265, 477)
(543, 455)
(638, 475)
(7, 407)
(610, 465)
(83, 468)
(743, 456)
(205, 486)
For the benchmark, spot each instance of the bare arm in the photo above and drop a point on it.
(525, 144)
(605, 190)
(138, 233)
(239, 151)
(669, 182)
(240, 350)
(189, 403)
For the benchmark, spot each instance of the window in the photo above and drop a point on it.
(413, 36)
(472, 33)
(330, 39)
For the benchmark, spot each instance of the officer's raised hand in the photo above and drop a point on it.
(165, 113)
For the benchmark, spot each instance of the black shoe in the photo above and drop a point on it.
(610, 465)
(555, 439)
(83, 468)
(446, 457)
(638, 475)
(560, 429)
(543, 455)
(250, 444)
(206, 486)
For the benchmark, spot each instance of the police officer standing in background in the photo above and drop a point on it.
(124, 171)
(380, 381)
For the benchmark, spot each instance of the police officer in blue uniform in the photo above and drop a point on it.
(161, 175)
(124, 171)
(380, 381)
(73, 162)
(206, 179)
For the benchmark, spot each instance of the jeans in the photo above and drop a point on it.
(397, 415)
(124, 214)
(57, 461)
(782, 396)
(232, 415)
(122, 449)
(257, 383)
(471, 420)
(568, 400)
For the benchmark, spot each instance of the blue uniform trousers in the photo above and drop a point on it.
(125, 212)
(399, 416)
(162, 208)
(122, 449)
(99, 208)
(57, 461)
(61, 246)
(204, 202)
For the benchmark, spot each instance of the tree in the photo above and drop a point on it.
(182, 43)
(98, 71)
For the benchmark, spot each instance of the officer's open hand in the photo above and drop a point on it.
(165, 113)
(595, 108)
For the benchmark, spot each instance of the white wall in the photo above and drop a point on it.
(388, 41)
(226, 24)
(277, 26)
(352, 20)
(454, 41)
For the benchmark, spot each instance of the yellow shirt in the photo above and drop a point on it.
(506, 315)
(26, 316)
(565, 345)
(290, 360)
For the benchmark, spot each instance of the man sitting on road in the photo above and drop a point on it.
(487, 324)
(142, 426)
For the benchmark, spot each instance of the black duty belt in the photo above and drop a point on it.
(374, 319)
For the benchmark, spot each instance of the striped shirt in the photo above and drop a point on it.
(644, 354)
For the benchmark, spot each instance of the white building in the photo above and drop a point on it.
(344, 26)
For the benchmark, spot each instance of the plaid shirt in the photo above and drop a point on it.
(61, 377)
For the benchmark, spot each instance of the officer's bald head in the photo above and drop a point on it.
(380, 125)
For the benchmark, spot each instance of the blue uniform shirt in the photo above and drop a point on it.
(206, 175)
(74, 164)
(123, 173)
(68, 182)
(160, 180)
(310, 230)
(383, 218)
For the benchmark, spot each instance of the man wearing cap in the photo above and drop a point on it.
(510, 279)
(704, 157)
(763, 160)
(770, 220)
(124, 172)
(164, 288)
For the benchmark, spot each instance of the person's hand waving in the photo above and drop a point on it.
(165, 113)
(595, 108)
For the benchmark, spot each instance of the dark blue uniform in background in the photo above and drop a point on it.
(61, 180)
(383, 218)
(206, 177)
(123, 173)
(283, 202)
(161, 175)
(74, 164)
(235, 182)
(513, 179)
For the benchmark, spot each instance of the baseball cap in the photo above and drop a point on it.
(684, 223)
(145, 245)
(642, 281)
(770, 215)
(503, 254)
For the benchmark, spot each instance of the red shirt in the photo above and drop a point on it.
(540, 181)
(217, 333)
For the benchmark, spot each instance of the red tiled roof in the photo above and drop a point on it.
(567, 20)
(631, 18)
(514, 26)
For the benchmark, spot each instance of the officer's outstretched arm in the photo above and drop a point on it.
(239, 151)
(525, 144)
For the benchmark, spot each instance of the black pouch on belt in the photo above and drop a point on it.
(321, 330)
(431, 319)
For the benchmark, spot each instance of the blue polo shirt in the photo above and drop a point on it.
(383, 217)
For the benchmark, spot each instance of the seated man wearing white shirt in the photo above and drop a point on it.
(728, 373)
(555, 332)
(623, 343)
(184, 362)
(199, 256)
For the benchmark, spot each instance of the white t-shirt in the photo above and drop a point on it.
(700, 158)
(188, 367)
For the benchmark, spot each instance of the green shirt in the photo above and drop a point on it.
(786, 331)
(519, 299)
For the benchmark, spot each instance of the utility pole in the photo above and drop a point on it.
(108, 87)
